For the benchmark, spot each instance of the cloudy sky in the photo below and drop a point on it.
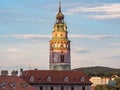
(26, 26)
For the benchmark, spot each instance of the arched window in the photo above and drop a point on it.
(62, 58)
(13, 85)
(31, 79)
(24, 85)
(3, 85)
(53, 45)
(49, 78)
(55, 35)
(82, 79)
(64, 45)
(58, 44)
(66, 79)
(61, 45)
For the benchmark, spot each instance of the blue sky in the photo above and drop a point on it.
(26, 26)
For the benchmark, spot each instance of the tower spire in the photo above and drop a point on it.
(60, 6)
(60, 16)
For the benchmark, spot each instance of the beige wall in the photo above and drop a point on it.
(99, 81)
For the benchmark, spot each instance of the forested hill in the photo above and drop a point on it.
(99, 71)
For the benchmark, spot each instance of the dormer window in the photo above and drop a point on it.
(13, 85)
(24, 85)
(66, 79)
(32, 79)
(49, 79)
(3, 85)
(82, 79)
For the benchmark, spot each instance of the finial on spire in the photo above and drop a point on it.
(60, 6)
(60, 16)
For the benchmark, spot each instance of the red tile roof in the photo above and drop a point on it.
(13, 82)
(55, 77)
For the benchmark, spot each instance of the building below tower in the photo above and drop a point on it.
(57, 80)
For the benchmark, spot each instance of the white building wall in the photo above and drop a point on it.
(88, 88)
(58, 87)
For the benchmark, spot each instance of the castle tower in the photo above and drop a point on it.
(60, 45)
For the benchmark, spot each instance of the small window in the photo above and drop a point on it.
(31, 78)
(13, 85)
(82, 79)
(62, 58)
(72, 88)
(51, 88)
(41, 88)
(83, 87)
(62, 88)
(3, 84)
(66, 79)
(24, 85)
(49, 78)
(55, 35)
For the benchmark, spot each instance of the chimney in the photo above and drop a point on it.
(21, 71)
(14, 73)
(4, 73)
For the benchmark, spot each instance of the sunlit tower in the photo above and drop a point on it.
(60, 58)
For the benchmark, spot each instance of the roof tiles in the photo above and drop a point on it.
(13, 82)
(55, 77)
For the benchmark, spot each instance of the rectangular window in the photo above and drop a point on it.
(41, 88)
(62, 88)
(72, 88)
(83, 87)
(51, 88)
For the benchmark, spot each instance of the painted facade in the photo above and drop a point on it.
(60, 45)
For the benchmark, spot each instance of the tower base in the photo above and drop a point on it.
(60, 66)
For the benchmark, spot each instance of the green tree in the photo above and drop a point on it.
(104, 87)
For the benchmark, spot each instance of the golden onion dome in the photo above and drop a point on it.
(60, 16)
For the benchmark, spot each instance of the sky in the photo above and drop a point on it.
(26, 26)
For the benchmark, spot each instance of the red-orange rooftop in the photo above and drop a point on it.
(13, 83)
(55, 77)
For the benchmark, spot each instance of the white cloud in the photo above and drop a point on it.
(26, 36)
(30, 20)
(114, 16)
(115, 44)
(104, 37)
(38, 36)
(78, 36)
(80, 50)
(95, 37)
(114, 57)
(13, 50)
(103, 11)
